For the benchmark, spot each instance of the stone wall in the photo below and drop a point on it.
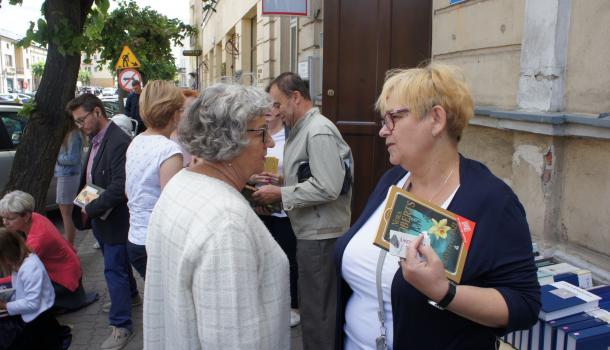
(533, 61)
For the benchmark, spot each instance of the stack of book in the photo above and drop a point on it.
(570, 318)
(550, 271)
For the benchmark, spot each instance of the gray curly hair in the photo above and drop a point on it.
(214, 127)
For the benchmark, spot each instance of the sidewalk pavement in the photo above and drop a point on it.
(90, 325)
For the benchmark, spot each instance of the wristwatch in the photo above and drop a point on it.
(447, 299)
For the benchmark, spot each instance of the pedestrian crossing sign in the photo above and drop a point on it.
(127, 59)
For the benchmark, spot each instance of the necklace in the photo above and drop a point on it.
(409, 185)
(218, 170)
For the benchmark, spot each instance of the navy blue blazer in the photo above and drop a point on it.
(500, 257)
(108, 172)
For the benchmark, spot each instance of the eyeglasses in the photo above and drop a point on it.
(81, 121)
(262, 130)
(389, 118)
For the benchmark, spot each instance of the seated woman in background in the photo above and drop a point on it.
(216, 279)
(424, 112)
(30, 324)
(55, 252)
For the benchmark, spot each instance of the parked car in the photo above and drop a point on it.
(86, 89)
(109, 92)
(11, 128)
(16, 97)
(111, 105)
(24, 97)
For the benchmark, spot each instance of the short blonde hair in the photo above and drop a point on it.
(420, 89)
(159, 101)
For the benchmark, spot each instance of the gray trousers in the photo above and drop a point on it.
(317, 292)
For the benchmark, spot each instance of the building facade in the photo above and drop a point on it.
(537, 73)
(16, 64)
(100, 76)
(536, 70)
(240, 44)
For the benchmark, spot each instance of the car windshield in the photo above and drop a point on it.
(14, 126)
(111, 107)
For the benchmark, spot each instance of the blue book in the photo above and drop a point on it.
(561, 299)
(580, 277)
(537, 336)
(603, 292)
(597, 338)
(525, 336)
(517, 339)
(569, 273)
(541, 262)
(550, 329)
(564, 330)
(510, 337)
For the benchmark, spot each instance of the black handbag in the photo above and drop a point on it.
(81, 220)
(304, 173)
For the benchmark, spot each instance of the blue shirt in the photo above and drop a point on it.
(69, 158)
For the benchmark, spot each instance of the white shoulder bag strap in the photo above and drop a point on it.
(381, 341)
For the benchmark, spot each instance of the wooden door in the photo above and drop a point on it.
(363, 39)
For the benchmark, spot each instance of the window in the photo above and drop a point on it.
(253, 48)
(9, 60)
(293, 44)
(10, 83)
(27, 63)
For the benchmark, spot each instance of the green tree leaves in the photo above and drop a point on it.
(37, 69)
(148, 33)
(84, 77)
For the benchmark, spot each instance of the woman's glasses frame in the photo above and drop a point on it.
(389, 118)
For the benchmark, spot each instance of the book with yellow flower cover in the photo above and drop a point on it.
(405, 217)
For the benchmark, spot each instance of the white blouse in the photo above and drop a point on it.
(358, 268)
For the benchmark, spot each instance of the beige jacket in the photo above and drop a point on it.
(315, 206)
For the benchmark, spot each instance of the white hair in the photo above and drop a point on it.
(215, 126)
(17, 202)
(125, 123)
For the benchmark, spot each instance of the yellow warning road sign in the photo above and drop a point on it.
(127, 59)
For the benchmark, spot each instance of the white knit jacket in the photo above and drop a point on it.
(216, 278)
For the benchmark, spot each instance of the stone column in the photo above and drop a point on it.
(544, 50)
(265, 47)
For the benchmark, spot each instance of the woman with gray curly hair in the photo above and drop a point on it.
(216, 278)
